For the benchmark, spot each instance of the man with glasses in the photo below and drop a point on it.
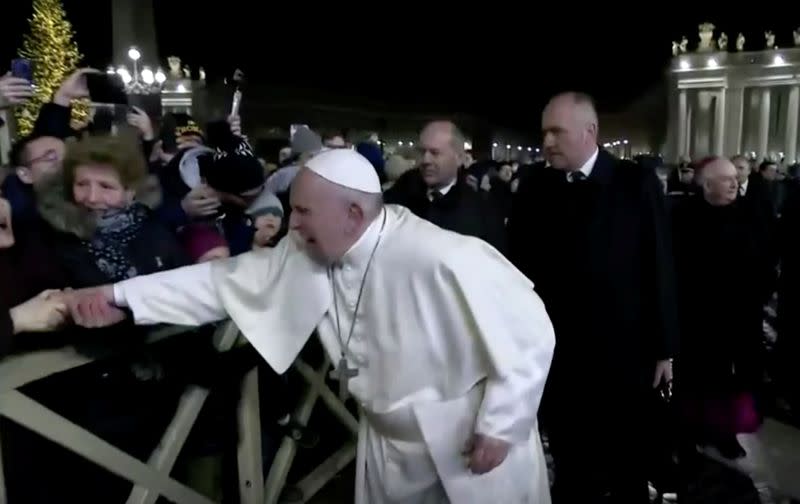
(40, 154)
(34, 159)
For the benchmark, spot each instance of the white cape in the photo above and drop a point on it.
(445, 314)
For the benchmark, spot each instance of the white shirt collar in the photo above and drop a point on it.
(358, 254)
(444, 190)
(743, 187)
(587, 167)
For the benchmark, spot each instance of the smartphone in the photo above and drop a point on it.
(169, 142)
(106, 88)
(22, 68)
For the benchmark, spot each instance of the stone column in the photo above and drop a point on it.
(702, 119)
(719, 124)
(790, 147)
(133, 24)
(734, 121)
(682, 124)
(763, 124)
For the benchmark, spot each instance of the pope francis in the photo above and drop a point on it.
(442, 342)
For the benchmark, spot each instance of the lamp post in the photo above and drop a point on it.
(134, 55)
(145, 81)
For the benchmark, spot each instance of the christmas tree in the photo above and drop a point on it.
(54, 54)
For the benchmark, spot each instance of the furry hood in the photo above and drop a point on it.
(55, 205)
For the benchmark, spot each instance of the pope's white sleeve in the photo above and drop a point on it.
(518, 340)
(184, 296)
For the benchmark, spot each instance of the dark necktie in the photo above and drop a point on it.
(436, 196)
(577, 176)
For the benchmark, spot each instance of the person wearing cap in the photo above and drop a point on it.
(444, 345)
(266, 216)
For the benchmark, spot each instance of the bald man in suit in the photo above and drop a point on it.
(591, 232)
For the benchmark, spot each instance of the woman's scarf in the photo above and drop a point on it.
(109, 245)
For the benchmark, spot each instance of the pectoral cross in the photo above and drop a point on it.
(343, 373)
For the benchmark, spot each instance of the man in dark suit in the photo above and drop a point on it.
(753, 192)
(438, 190)
(788, 344)
(591, 232)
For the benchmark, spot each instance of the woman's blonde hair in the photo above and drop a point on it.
(122, 153)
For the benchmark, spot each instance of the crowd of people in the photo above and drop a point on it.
(647, 273)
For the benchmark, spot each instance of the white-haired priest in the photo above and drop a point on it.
(441, 341)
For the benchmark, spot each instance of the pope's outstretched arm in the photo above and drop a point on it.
(184, 296)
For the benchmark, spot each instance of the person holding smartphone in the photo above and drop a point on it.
(14, 91)
(39, 154)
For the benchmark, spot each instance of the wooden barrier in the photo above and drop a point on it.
(152, 479)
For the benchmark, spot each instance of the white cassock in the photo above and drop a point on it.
(450, 340)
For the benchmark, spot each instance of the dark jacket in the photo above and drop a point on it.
(463, 209)
(22, 199)
(599, 254)
(26, 269)
(725, 275)
(788, 344)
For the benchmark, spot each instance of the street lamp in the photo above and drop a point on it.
(140, 82)
(125, 75)
(134, 55)
(147, 76)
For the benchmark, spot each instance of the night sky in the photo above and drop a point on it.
(407, 54)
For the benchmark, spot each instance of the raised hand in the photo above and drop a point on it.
(14, 91)
(202, 201)
(94, 307)
(74, 87)
(43, 313)
(139, 119)
(236, 125)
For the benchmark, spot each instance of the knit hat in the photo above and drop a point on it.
(266, 203)
(235, 168)
(306, 141)
(198, 239)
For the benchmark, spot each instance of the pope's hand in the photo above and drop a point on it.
(43, 313)
(484, 453)
(94, 307)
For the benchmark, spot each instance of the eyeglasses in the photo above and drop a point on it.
(49, 156)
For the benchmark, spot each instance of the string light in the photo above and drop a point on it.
(51, 47)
